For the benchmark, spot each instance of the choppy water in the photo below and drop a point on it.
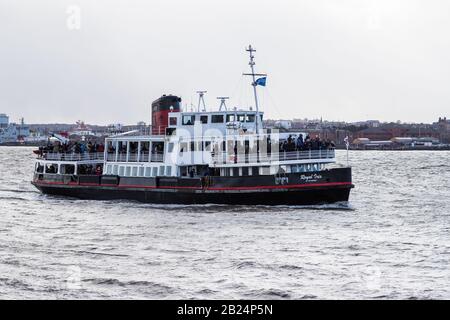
(392, 242)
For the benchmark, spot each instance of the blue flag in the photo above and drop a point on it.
(261, 81)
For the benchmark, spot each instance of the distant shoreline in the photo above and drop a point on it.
(17, 144)
(409, 149)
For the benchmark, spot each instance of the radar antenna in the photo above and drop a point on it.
(201, 100)
(222, 103)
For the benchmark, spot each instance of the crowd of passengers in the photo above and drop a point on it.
(308, 143)
(72, 147)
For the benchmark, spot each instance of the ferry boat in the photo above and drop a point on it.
(199, 157)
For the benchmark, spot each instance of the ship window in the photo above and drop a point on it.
(155, 171)
(145, 146)
(241, 117)
(188, 120)
(192, 146)
(128, 171)
(204, 119)
(135, 171)
(170, 147)
(245, 171)
(39, 168)
(134, 146)
(231, 118)
(115, 169)
(148, 172)
(67, 169)
(168, 171)
(122, 147)
(217, 118)
(208, 145)
(183, 147)
(255, 171)
(161, 170)
(121, 170)
(250, 118)
(235, 172)
(173, 121)
(265, 171)
(51, 168)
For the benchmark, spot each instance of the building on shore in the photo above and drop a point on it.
(443, 126)
(398, 143)
(283, 124)
(370, 130)
(12, 132)
(4, 120)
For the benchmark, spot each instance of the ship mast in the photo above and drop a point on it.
(201, 101)
(252, 63)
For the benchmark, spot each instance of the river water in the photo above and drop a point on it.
(391, 241)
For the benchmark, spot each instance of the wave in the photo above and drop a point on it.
(15, 283)
(100, 253)
(290, 267)
(213, 208)
(437, 166)
(244, 264)
(206, 292)
(268, 294)
(130, 283)
(19, 191)
(14, 198)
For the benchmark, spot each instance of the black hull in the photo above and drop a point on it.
(332, 186)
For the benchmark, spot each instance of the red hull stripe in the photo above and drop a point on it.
(292, 186)
(306, 185)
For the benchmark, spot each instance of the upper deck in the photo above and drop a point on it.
(207, 142)
(183, 141)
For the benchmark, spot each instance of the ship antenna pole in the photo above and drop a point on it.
(250, 50)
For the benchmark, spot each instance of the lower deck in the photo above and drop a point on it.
(325, 186)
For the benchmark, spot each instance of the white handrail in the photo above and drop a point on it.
(273, 157)
(56, 156)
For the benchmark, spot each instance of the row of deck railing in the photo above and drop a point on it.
(58, 156)
(227, 158)
(119, 157)
(221, 158)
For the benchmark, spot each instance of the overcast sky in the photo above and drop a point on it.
(340, 60)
